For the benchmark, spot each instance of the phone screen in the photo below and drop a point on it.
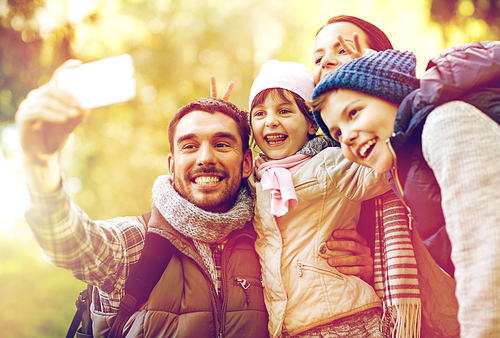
(100, 83)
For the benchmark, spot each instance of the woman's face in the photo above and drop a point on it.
(328, 52)
(361, 124)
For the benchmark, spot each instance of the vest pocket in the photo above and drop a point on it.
(303, 268)
(246, 283)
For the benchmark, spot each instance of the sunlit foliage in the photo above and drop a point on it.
(112, 160)
(476, 19)
(37, 298)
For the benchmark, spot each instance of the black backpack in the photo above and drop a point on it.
(154, 259)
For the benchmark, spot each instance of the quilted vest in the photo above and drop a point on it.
(184, 303)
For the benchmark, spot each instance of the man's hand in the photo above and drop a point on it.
(361, 264)
(357, 51)
(213, 89)
(46, 119)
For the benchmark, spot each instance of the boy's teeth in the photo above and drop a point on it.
(365, 148)
(206, 179)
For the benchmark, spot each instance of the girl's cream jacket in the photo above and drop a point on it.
(301, 290)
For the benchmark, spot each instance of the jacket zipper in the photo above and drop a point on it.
(223, 283)
(215, 299)
(245, 284)
(301, 267)
(211, 287)
(398, 183)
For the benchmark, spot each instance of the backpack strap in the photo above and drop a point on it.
(82, 315)
(154, 259)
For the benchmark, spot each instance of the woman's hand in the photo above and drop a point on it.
(213, 89)
(356, 52)
(361, 263)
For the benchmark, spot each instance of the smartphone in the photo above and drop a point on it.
(100, 83)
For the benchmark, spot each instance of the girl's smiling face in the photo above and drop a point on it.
(279, 127)
(328, 52)
(361, 124)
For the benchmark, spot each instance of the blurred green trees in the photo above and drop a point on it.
(112, 160)
(478, 19)
(176, 45)
(37, 298)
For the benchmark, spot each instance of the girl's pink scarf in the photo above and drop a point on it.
(276, 176)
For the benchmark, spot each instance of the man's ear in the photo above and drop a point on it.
(247, 163)
(170, 164)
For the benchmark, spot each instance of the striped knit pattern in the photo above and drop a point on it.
(395, 274)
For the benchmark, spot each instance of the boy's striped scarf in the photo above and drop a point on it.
(395, 274)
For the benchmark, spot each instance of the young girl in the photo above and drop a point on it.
(331, 50)
(442, 156)
(305, 189)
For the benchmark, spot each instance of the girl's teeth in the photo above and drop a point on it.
(273, 139)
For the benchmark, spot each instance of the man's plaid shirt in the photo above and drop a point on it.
(96, 252)
(100, 253)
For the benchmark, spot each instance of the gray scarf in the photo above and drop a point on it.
(202, 226)
(316, 145)
(313, 147)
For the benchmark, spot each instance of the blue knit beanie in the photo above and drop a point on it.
(389, 75)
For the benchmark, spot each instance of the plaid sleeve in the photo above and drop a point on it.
(100, 253)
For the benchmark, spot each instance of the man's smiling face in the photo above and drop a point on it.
(208, 162)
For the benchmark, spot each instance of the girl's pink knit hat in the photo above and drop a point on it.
(287, 75)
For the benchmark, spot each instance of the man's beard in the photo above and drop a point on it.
(221, 204)
(217, 202)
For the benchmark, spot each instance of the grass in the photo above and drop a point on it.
(37, 299)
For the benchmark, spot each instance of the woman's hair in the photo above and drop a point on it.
(285, 95)
(375, 38)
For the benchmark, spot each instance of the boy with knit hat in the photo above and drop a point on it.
(441, 156)
(305, 189)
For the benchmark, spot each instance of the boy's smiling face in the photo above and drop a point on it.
(361, 124)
